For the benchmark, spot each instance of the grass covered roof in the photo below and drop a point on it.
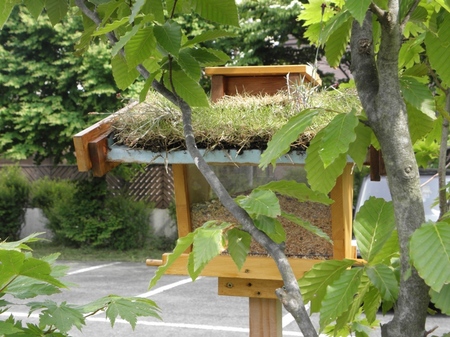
(234, 122)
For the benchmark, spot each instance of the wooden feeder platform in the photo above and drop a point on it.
(259, 277)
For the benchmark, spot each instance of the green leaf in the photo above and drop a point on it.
(220, 11)
(56, 10)
(207, 245)
(5, 10)
(281, 141)
(8, 328)
(208, 57)
(320, 178)
(20, 244)
(111, 26)
(438, 48)
(358, 149)
(190, 65)
(124, 40)
(168, 37)
(358, 8)
(430, 254)
(337, 136)
(39, 270)
(189, 90)
(272, 227)
(207, 36)
(441, 299)
(135, 9)
(25, 287)
(10, 263)
(372, 300)
(156, 8)
(260, 202)
(389, 251)
(337, 43)
(417, 93)
(123, 76)
(419, 123)
(339, 295)
(238, 245)
(130, 308)
(307, 225)
(410, 52)
(61, 316)
(297, 190)
(373, 225)
(140, 47)
(383, 278)
(314, 282)
(35, 7)
(181, 246)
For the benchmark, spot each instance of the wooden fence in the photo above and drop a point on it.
(154, 183)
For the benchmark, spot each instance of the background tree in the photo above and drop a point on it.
(47, 91)
(398, 110)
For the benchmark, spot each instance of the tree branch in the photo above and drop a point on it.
(408, 14)
(380, 13)
(363, 62)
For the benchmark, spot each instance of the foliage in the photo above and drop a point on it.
(85, 214)
(23, 277)
(48, 92)
(151, 37)
(14, 191)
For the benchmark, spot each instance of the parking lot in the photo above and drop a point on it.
(189, 309)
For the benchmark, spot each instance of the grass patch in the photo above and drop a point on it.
(234, 122)
(150, 251)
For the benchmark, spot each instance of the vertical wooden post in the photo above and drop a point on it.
(265, 317)
(182, 201)
(217, 87)
(342, 215)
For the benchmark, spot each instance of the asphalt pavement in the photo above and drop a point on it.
(189, 309)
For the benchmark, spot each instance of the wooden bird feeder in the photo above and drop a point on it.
(259, 276)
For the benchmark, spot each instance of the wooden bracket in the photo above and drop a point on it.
(98, 150)
(91, 135)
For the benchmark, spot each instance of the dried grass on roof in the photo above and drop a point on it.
(234, 122)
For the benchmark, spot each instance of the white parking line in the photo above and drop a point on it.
(83, 270)
(167, 287)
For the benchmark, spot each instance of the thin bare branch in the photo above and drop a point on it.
(408, 14)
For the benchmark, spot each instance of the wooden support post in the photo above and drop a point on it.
(217, 87)
(182, 201)
(265, 317)
(342, 215)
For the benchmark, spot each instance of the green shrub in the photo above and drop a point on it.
(86, 214)
(14, 192)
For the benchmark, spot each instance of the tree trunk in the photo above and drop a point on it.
(378, 87)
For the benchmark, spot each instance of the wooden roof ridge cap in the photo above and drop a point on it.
(271, 70)
(101, 128)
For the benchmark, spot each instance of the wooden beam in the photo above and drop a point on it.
(255, 267)
(342, 214)
(230, 286)
(265, 317)
(303, 70)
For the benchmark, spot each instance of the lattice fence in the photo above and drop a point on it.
(154, 183)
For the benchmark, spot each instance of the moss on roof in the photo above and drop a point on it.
(234, 122)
